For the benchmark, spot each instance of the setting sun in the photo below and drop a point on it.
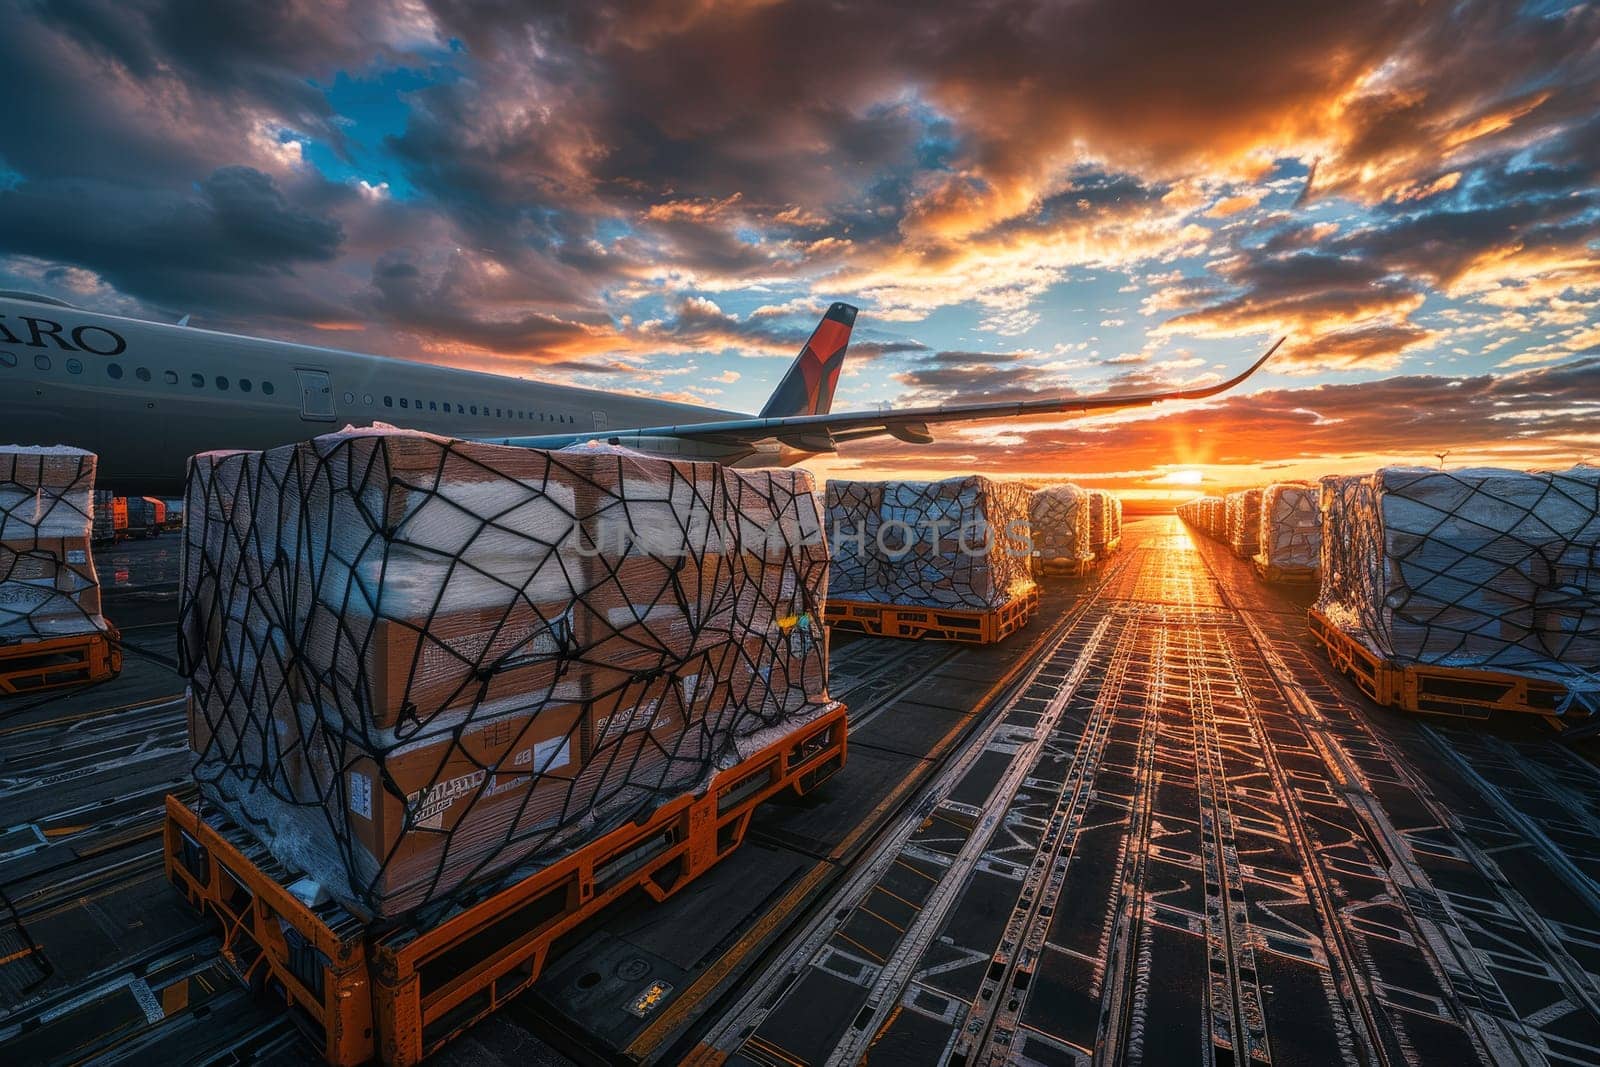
(1184, 477)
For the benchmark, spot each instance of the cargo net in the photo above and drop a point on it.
(1201, 514)
(1100, 521)
(1059, 516)
(416, 663)
(962, 543)
(1476, 569)
(1244, 521)
(1291, 527)
(48, 586)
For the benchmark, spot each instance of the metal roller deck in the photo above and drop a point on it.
(1154, 825)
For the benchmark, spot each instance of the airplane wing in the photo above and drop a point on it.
(821, 432)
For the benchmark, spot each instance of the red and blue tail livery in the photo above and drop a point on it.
(807, 387)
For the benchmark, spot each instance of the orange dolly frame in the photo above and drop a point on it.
(1061, 568)
(1428, 690)
(933, 624)
(401, 994)
(52, 662)
(1271, 572)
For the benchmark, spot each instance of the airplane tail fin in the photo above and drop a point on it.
(807, 387)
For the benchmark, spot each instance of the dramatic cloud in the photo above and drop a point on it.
(1027, 198)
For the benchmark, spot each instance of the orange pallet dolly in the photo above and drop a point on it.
(1106, 549)
(1430, 690)
(400, 994)
(1271, 572)
(1061, 568)
(48, 663)
(933, 624)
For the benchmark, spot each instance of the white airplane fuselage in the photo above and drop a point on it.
(145, 396)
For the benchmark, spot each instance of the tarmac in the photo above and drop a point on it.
(1153, 827)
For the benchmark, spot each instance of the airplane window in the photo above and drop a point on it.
(349, 397)
(474, 409)
(388, 401)
(143, 374)
(114, 370)
(244, 385)
(170, 377)
(402, 401)
(433, 405)
(197, 380)
(417, 404)
(8, 359)
(541, 416)
(460, 410)
(222, 383)
(267, 387)
(74, 366)
(42, 361)
(367, 399)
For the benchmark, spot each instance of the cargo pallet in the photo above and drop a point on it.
(401, 994)
(969, 625)
(29, 666)
(1271, 572)
(1429, 690)
(1061, 568)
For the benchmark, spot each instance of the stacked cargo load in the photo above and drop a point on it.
(1290, 539)
(959, 543)
(1479, 570)
(48, 586)
(1059, 518)
(1243, 522)
(854, 520)
(948, 560)
(1102, 524)
(417, 662)
(1215, 517)
(1116, 518)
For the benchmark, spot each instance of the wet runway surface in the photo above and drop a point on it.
(1155, 827)
(1184, 842)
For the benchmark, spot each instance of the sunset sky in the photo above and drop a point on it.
(1025, 199)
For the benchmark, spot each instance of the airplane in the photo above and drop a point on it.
(145, 396)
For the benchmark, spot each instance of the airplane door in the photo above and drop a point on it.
(599, 419)
(316, 395)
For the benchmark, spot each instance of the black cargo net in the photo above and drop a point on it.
(1101, 529)
(1204, 514)
(416, 663)
(1243, 516)
(1476, 569)
(961, 543)
(1059, 515)
(1290, 537)
(48, 586)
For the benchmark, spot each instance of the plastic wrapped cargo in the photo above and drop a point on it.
(48, 585)
(1243, 522)
(1290, 538)
(1116, 517)
(1059, 518)
(1102, 535)
(854, 511)
(416, 663)
(960, 543)
(1479, 569)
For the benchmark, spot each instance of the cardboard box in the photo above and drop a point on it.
(447, 808)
